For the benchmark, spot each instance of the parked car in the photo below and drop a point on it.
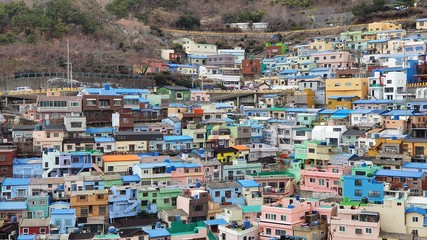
(21, 89)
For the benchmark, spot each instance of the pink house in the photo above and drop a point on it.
(199, 96)
(333, 60)
(280, 218)
(355, 224)
(157, 67)
(186, 173)
(323, 179)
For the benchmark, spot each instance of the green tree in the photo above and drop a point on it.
(188, 22)
(121, 8)
(404, 3)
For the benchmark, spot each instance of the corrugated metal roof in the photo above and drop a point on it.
(399, 173)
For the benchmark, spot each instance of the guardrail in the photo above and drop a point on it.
(39, 91)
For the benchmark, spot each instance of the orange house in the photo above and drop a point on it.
(119, 163)
(243, 151)
(92, 203)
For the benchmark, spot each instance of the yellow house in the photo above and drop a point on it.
(380, 143)
(421, 24)
(383, 26)
(119, 163)
(92, 203)
(321, 45)
(243, 151)
(341, 102)
(226, 155)
(415, 146)
(305, 98)
(347, 87)
(415, 221)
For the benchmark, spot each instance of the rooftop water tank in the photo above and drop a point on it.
(112, 230)
(247, 224)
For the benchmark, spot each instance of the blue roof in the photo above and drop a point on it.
(177, 138)
(131, 91)
(328, 111)
(16, 181)
(219, 221)
(13, 206)
(156, 233)
(59, 203)
(99, 130)
(104, 139)
(338, 97)
(399, 173)
(319, 69)
(223, 105)
(228, 120)
(131, 178)
(184, 165)
(248, 183)
(70, 211)
(378, 41)
(366, 101)
(402, 113)
(415, 165)
(152, 165)
(361, 111)
(27, 237)
(269, 95)
(177, 105)
(340, 114)
(24, 161)
(303, 110)
(422, 20)
(288, 71)
(416, 209)
(305, 77)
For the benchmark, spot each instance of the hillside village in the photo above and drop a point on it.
(324, 140)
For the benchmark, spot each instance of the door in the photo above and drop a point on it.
(131, 148)
(29, 215)
(327, 184)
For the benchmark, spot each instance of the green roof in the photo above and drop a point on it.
(277, 109)
(251, 209)
(107, 236)
(271, 174)
(179, 228)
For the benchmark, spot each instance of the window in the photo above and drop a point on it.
(270, 216)
(104, 103)
(75, 104)
(100, 196)
(83, 212)
(348, 84)
(198, 208)
(283, 218)
(358, 182)
(110, 168)
(376, 194)
(280, 232)
(40, 213)
(82, 197)
(68, 222)
(336, 182)
(321, 182)
(166, 201)
(300, 133)
(268, 231)
(358, 231)
(179, 96)
(341, 229)
(414, 219)
(42, 202)
(117, 102)
(154, 195)
(22, 192)
(312, 180)
(336, 129)
(76, 124)
(25, 231)
(145, 194)
(102, 210)
(368, 230)
(91, 102)
(311, 150)
(358, 192)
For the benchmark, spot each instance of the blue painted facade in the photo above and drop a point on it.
(175, 123)
(177, 143)
(15, 188)
(27, 167)
(93, 183)
(123, 202)
(63, 219)
(226, 192)
(357, 187)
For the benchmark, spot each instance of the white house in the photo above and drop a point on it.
(421, 24)
(389, 85)
(332, 135)
(194, 48)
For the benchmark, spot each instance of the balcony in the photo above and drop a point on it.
(131, 210)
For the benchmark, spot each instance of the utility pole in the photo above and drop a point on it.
(68, 60)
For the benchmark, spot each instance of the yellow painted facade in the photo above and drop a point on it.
(128, 146)
(322, 45)
(347, 87)
(341, 103)
(383, 26)
(90, 203)
(375, 150)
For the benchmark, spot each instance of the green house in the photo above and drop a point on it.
(176, 93)
(38, 207)
(112, 180)
(163, 198)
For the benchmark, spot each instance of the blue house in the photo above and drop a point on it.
(123, 202)
(254, 112)
(225, 192)
(100, 132)
(362, 184)
(64, 220)
(27, 167)
(15, 188)
(175, 122)
(130, 180)
(93, 182)
(177, 143)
